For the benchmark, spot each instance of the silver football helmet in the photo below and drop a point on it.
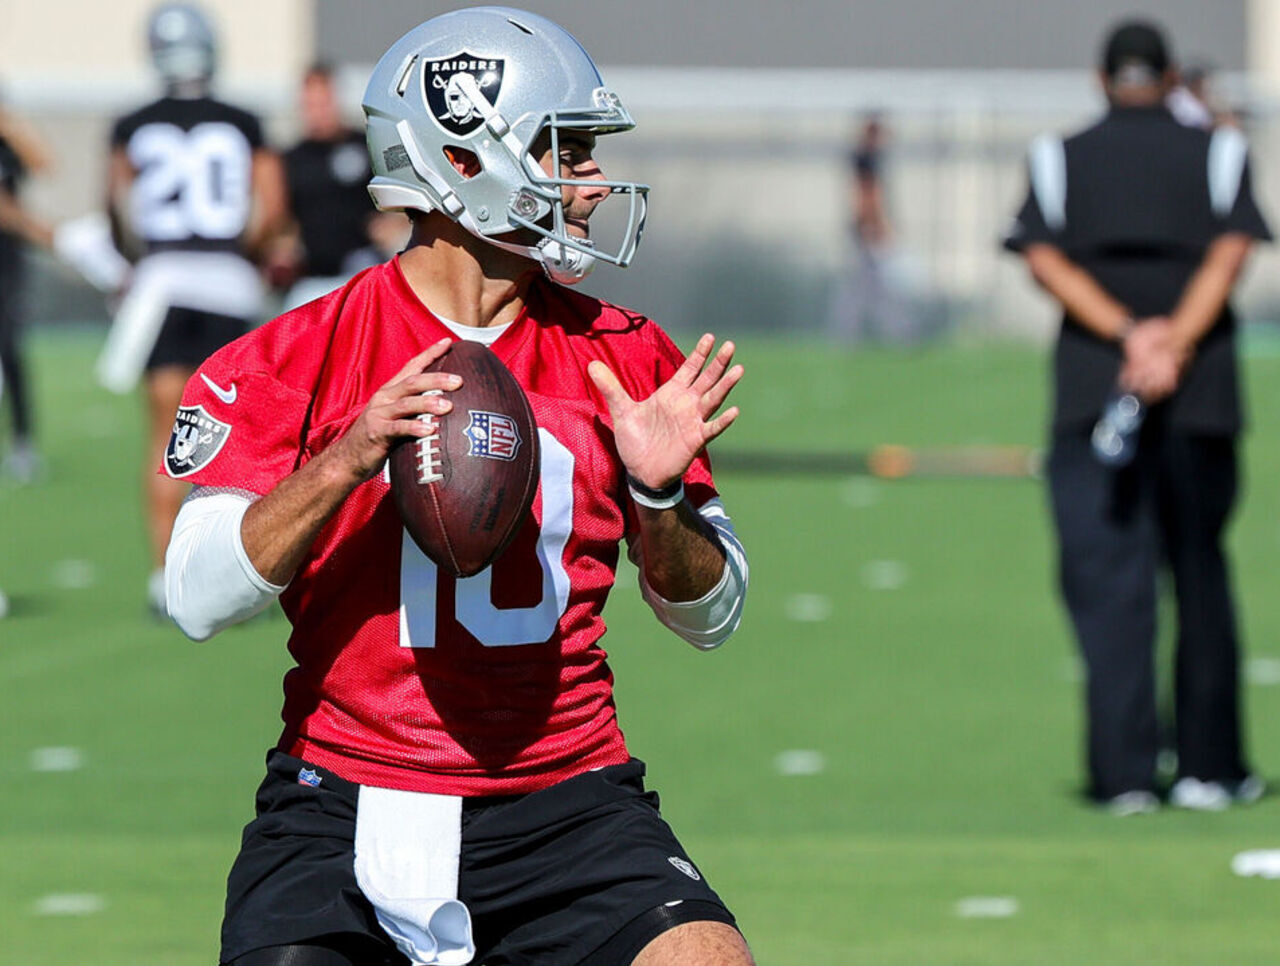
(490, 80)
(181, 42)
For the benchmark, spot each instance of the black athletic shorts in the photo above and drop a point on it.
(189, 336)
(584, 871)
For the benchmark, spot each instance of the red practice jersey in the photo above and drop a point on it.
(406, 677)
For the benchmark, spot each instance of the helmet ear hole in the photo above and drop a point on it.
(464, 162)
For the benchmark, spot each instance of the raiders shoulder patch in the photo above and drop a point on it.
(197, 438)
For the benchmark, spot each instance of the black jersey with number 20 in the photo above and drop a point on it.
(193, 158)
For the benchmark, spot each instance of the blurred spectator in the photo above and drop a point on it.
(21, 152)
(868, 303)
(335, 227)
(193, 191)
(1189, 101)
(1139, 228)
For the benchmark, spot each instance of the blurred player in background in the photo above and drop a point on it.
(21, 153)
(335, 226)
(1140, 226)
(192, 193)
(867, 304)
(452, 781)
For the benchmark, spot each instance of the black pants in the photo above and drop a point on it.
(12, 365)
(1117, 530)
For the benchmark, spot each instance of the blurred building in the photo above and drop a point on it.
(744, 108)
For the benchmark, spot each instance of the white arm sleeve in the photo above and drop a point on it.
(209, 582)
(708, 622)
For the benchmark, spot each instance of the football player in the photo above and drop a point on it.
(21, 152)
(192, 192)
(452, 785)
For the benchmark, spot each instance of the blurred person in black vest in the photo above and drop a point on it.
(193, 193)
(336, 231)
(1139, 227)
(21, 153)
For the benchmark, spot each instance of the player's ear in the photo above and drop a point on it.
(463, 161)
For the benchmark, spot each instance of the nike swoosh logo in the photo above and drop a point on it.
(228, 396)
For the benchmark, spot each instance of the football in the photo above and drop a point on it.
(463, 491)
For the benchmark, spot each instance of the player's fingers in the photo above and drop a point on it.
(716, 426)
(715, 368)
(411, 427)
(615, 395)
(691, 366)
(432, 403)
(429, 382)
(714, 397)
(421, 361)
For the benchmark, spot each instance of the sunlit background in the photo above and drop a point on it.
(883, 767)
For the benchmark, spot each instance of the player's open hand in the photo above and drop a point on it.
(659, 437)
(392, 413)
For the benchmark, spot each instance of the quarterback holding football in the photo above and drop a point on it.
(442, 527)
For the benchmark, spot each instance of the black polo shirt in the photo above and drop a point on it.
(329, 197)
(1135, 201)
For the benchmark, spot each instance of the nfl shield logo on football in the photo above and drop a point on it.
(450, 97)
(492, 435)
(197, 438)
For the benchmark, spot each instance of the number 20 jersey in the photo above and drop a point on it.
(194, 161)
(406, 677)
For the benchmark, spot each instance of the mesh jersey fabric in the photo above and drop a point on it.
(404, 676)
(194, 182)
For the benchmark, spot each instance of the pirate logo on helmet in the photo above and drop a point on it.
(453, 108)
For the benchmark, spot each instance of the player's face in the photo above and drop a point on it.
(574, 162)
(318, 104)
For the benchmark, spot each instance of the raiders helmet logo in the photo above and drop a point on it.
(450, 105)
(197, 438)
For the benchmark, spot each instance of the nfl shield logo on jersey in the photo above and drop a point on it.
(197, 438)
(492, 435)
(448, 94)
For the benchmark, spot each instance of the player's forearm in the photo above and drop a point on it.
(279, 529)
(1206, 294)
(682, 556)
(1087, 302)
(16, 220)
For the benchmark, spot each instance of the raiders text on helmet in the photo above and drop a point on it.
(490, 80)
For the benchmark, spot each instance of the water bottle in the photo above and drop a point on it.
(1115, 436)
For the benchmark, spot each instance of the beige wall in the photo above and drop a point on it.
(99, 46)
(1264, 44)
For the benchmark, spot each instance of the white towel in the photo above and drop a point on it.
(407, 846)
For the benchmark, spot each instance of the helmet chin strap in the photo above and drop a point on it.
(564, 265)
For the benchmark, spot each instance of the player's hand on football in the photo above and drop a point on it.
(659, 437)
(392, 413)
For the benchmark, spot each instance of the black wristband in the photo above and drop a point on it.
(657, 499)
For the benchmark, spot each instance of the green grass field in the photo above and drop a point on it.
(907, 633)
